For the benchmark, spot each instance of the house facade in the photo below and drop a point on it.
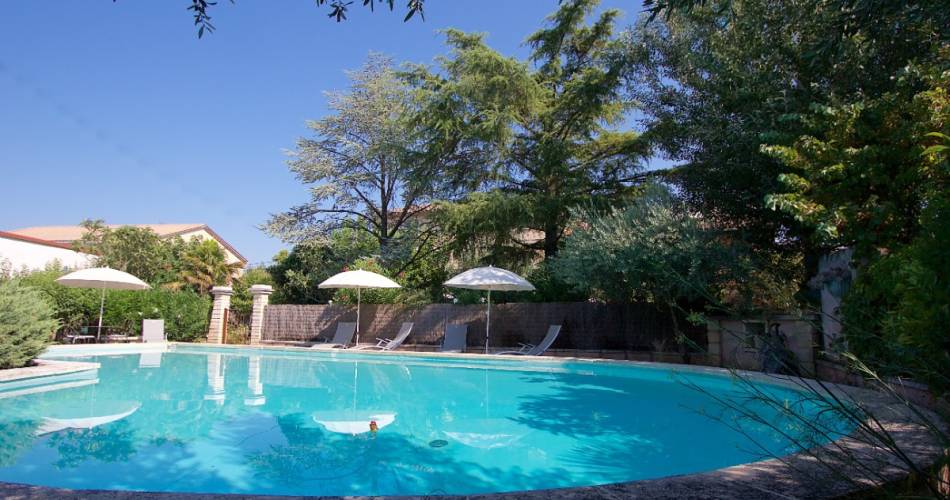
(19, 253)
(66, 235)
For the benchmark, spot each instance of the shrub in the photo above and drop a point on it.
(896, 313)
(185, 312)
(26, 324)
(73, 307)
(242, 301)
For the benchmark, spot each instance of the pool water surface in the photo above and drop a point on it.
(257, 421)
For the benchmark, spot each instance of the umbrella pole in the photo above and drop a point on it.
(358, 316)
(102, 303)
(487, 321)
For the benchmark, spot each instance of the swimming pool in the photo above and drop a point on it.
(200, 419)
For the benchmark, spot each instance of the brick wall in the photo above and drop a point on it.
(587, 326)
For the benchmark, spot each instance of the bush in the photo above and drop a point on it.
(26, 324)
(242, 301)
(73, 307)
(186, 313)
(896, 313)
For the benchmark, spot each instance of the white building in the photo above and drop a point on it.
(69, 234)
(26, 253)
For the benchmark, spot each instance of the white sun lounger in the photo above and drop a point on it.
(454, 340)
(342, 337)
(537, 350)
(393, 343)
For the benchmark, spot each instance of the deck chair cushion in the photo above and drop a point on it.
(454, 340)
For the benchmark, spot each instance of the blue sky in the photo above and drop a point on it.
(117, 111)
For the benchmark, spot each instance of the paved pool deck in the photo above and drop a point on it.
(46, 368)
(824, 472)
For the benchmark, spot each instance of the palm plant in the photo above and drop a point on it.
(203, 265)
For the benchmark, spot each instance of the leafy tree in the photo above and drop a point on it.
(655, 250)
(297, 273)
(27, 324)
(537, 137)
(359, 170)
(860, 176)
(721, 79)
(137, 251)
(807, 125)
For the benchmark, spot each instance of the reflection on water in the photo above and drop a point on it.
(338, 425)
(254, 384)
(94, 418)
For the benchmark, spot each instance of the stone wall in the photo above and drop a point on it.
(586, 326)
(738, 344)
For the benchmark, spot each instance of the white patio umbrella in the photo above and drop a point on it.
(103, 278)
(359, 280)
(490, 278)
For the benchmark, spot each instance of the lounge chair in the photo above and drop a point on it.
(120, 337)
(454, 340)
(342, 337)
(82, 336)
(393, 343)
(537, 350)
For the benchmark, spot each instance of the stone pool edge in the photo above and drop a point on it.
(799, 475)
(45, 368)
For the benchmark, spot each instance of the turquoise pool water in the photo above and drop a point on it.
(284, 422)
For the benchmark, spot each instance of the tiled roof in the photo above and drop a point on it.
(31, 239)
(68, 234)
(73, 233)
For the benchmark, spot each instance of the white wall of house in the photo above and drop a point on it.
(18, 255)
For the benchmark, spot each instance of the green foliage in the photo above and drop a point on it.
(74, 307)
(137, 251)
(338, 11)
(808, 125)
(537, 137)
(297, 273)
(27, 324)
(655, 250)
(861, 176)
(185, 312)
(649, 250)
(897, 309)
(201, 265)
(371, 295)
(242, 301)
(359, 170)
(174, 263)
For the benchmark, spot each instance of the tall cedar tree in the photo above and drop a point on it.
(532, 139)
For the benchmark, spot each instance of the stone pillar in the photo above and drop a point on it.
(254, 385)
(261, 295)
(222, 301)
(713, 342)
